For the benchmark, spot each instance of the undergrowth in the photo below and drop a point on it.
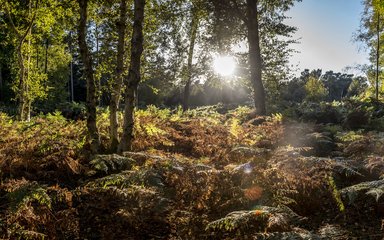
(198, 174)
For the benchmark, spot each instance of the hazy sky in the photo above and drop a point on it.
(326, 28)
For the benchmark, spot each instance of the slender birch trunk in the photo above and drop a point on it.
(93, 134)
(118, 79)
(133, 79)
(192, 42)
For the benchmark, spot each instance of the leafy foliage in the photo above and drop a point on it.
(315, 89)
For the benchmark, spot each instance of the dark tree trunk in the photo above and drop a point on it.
(193, 34)
(134, 77)
(93, 134)
(28, 72)
(255, 56)
(72, 97)
(1, 85)
(71, 94)
(118, 81)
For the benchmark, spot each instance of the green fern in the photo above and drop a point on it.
(235, 220)
(371, 188)
(152, 130)
(350, 136)
(26, 194)
(235, 128)
(110, 163)
(124, 179)
(336, 194)
(120, 180)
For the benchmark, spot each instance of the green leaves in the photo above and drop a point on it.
(315, 89)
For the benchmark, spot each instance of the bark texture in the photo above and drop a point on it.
(133, 79)
(377, 56)
(93, 134)
(255, 56)
(118, 81)
(1, 84)
(192, 41)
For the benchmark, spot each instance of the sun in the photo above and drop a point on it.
(224, 65)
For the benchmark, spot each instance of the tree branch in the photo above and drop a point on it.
(13, 26)
(31, 23)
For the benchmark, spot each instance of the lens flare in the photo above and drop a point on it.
(224, 65)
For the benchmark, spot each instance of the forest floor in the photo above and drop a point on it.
(209, 173)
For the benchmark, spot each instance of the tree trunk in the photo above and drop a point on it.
(134, 77)
(71, 94)
(193, 34)
(118, 81)
(21, 94)
(37, 56)
(28, 74)
(1, 84)
(255, 56)
(46, 56)
(93, 134)
(378, 56)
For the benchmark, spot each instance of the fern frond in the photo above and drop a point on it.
(111, 163)
(27, 193)
(370, 188)
(336, 194)
(346, 170)
(28, 234)
(119, 180)
(376, 192)
(235, 220)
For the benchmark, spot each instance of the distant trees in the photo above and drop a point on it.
(35, 35)
(316, 86)
(337, 84)
(315, 89)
